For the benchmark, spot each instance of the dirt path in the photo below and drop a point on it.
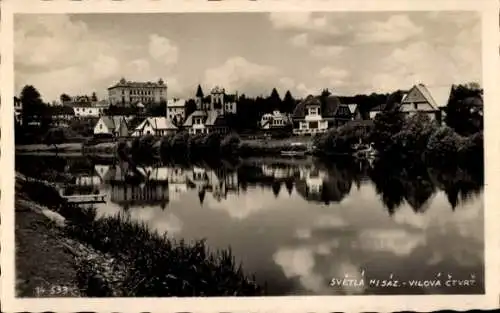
(44, 267)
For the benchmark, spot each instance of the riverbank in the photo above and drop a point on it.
(245, 147)
(80, 254)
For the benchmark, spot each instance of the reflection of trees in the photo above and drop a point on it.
(396, 182)
(459, 184)
(276, 186)
(289, 185)
(412, 181)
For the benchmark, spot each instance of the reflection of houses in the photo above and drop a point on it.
(275, 120)
(217, 181)
(423, 99)
(177, 182)
(157, 126)
(112, 125)
(277, 172)
(211, 114)
(322, 186)
(132, 186)
(314, 115)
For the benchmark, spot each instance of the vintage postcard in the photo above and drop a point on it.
(249, 156)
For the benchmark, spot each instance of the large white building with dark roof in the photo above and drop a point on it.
(128, 93)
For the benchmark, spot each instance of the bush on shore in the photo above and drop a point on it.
(156, 265)
(159, 266)
(185, 145)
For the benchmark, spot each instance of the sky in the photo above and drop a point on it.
(251, 53)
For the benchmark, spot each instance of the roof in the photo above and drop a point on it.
(176, 103)
(132, 84)
(376, 108)
(199, 92)
(352, 107)
(112, 122)
(328, 108)
(435, 96)
(189, 120)
(158, 123)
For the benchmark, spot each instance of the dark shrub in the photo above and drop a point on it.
(230, 144)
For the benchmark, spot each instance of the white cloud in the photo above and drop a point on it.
(395, 29)
(52, 40)
(299, 40)
(163, 49)
(302, 21)
(327, 51)
(397, 241)
(424, 62)
(290, 20)
(238, 73)
(105, 66)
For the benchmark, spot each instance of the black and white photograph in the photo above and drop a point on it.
(248, 154)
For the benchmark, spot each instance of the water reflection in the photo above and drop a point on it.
(312, 220)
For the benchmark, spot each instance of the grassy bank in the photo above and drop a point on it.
(144, 263)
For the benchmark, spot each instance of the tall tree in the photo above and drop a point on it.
(274, 100)
(288, 104)
(64, 98)
(33, 106)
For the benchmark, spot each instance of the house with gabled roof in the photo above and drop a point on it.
(212, 113)
(346, 113)
(423, 99)
(113, 125)
(313, 116)
(156, 126)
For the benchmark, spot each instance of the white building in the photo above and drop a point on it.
(176, 108)
(127, 93)
(112, 125)
(274, 120)
(156, 126)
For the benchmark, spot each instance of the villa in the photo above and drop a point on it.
(314, 115)
(156, 126)
(275, 120)
(113, 125)
(430, 101)
(176, 109)
(211, 114)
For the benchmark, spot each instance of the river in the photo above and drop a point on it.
(298, 224)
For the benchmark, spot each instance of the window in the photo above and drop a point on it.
(313, 111)
(100, 126)
(313, 125)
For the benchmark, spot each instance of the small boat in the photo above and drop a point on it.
(295, 149)
(293, 153)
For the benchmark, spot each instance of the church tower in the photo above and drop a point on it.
(199, 99)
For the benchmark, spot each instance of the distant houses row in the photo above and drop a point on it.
(213, 113)
(313, 115)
